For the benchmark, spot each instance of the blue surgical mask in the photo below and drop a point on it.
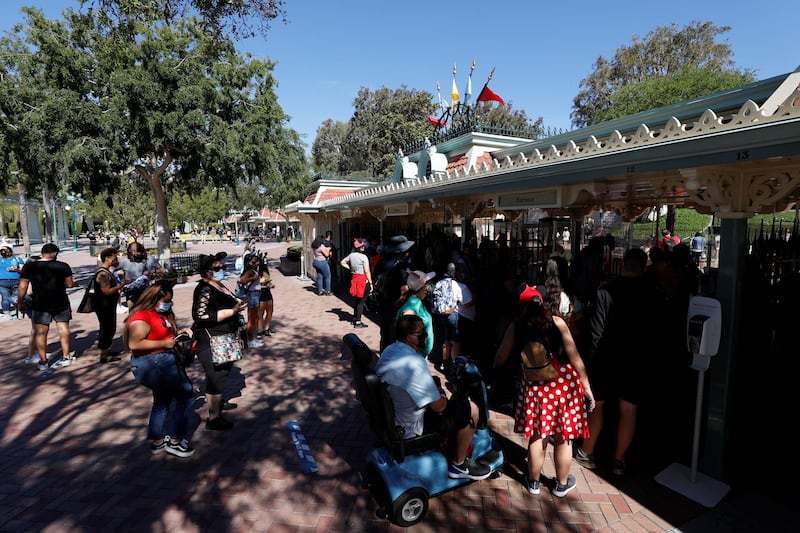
(219, 275)
(164, 307)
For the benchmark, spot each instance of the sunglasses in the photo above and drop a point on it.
(217, 269)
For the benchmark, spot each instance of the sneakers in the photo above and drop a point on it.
(179, 449)
(618, 467)
(532, 485)
(219, 424)
(359, 325)
(65, 361)
(42, 366)
(228, 406)
(158, 448)
(561, 490)
(584, 459)
(254, 343)
(469, 469)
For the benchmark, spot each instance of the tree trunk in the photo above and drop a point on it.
(163, 234)
(23, 219)
(49, 220)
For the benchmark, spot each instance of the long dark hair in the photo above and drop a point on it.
(149, 300)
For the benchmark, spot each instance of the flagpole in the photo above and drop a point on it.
(468, 92)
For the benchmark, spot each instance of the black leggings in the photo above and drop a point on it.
(107, 318)
(358, 309)
(216, 375)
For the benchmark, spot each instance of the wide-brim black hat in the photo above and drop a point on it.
(398, 244)
(207, 260)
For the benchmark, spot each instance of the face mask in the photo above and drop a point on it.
(219, 275)
(164, 307)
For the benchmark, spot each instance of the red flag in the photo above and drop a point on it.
(437, 122)
(487, 96)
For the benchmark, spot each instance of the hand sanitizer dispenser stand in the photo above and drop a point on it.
(702, 336)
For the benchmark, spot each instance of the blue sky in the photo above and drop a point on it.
(540, 51)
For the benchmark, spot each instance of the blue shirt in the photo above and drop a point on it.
(10, 262)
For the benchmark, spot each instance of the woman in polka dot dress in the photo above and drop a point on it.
(555, 407)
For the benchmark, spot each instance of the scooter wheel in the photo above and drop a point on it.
(410, 507)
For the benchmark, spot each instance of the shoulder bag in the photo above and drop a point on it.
(225, 348)
(86, 302)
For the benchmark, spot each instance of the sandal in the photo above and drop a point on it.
(110, 359)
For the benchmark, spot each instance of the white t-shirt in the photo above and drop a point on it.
(466, 297)
(410, 385)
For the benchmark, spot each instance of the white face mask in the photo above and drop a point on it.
(219, 275)
(164, 307)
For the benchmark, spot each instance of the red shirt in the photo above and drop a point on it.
(160, 328)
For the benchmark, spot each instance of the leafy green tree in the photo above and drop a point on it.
(383, 121)
(98, 102)
(238, 18)
(326, 152)
(672, 88)
(506, 116)
(666, 50)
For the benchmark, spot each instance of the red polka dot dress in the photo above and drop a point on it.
(554, 407)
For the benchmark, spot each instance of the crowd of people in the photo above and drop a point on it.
(223, 325)
(598, 330)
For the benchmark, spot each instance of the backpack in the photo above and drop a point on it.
(377, 294)
(537, 358)
(443, 298)
(669, 244)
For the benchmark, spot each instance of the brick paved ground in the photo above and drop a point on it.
(74, 457)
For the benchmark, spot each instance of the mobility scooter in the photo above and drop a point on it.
(403, 473)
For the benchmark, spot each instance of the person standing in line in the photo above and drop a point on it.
(10, 267)
(464, 341)
(150, 329)
(266, 304)
(445, 301)
(215, 311)
(392, 273)
(698, 246)
(137, 269)
(628, 310)
(411, 303)
(50, 279)
(320, 263)
(105, 297)
(251, 280)
(555, 407)
(357, 263)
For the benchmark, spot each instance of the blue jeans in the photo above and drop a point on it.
(159, 373)
(5, 293)
(323, 275)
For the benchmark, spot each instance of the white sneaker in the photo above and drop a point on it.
(255, 344)
(66, 361)
(121, 309)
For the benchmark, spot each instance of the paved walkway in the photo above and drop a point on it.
(74, 457)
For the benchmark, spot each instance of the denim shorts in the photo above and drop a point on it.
(252, 298)
(43, 317)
